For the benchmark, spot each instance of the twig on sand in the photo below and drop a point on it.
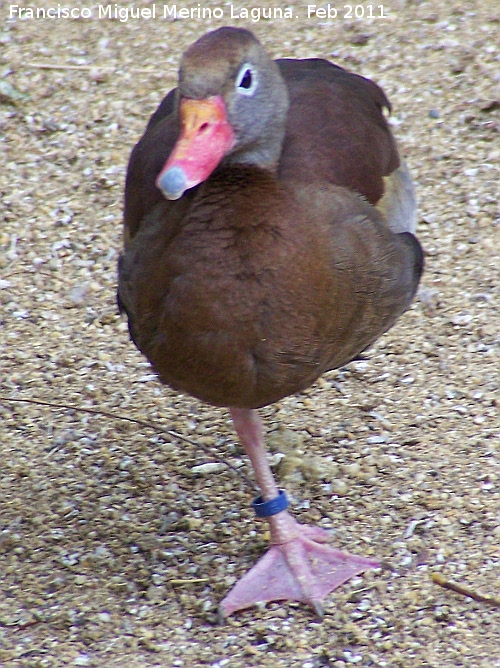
(464, 591)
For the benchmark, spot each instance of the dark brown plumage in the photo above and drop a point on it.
(268, 239)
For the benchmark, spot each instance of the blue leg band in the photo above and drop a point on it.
(267, 508)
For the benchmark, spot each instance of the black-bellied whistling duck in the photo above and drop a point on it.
(268, 239)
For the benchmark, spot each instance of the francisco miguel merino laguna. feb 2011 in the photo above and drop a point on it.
(114, 11)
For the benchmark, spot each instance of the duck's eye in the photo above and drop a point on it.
(246, 81)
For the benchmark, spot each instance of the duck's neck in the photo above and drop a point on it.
(264, 153)
(261, 142)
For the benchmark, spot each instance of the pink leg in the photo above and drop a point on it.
(299, 566)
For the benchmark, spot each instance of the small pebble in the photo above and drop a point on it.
(209, 467)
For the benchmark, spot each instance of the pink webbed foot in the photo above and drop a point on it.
(303, 569)
(300, 565)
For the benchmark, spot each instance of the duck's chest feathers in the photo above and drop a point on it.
(235, 237)
(220, 308)
(222, 271)
(205, 304)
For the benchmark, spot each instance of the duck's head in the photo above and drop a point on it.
(232, 105)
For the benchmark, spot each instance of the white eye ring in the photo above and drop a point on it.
(246, 81)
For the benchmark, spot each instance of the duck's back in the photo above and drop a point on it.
(336, 128)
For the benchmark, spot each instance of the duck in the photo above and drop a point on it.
(269, 237)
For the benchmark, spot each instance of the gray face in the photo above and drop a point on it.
(240, 71)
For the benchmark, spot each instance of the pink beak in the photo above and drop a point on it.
(206, 136)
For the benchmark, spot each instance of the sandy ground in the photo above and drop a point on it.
(114, 547)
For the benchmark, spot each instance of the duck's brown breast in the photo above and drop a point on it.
(258, 291)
